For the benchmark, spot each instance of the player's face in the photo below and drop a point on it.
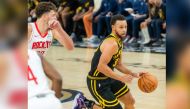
(51, 15)
(120, 28)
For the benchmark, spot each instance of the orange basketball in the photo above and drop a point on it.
(147, 83)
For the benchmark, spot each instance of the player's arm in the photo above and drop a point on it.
(53, 75)
(61, 35)
(109, 48)
(121, 67)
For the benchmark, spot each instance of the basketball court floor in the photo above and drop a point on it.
(75, 65)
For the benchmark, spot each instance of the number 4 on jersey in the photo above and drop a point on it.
(31, 76)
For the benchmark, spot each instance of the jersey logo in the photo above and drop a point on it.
(41, 44)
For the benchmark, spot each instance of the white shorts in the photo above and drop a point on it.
(49, 101)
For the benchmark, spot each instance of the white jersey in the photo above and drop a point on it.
(38, 42)
(37, 80)
(14, 90)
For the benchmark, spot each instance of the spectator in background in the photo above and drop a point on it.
(144, 25)
(31, 10)
(66, 12)
(155, 23)
(158, 22)
(85, 8)
(107, 8)
(140, 14)
(55, 2)
(87, 19)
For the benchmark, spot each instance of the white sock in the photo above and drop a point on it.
(146, 35)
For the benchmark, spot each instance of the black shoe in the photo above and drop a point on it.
(157, 44)
(149, 44)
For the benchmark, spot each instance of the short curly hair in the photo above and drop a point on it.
(44, 7)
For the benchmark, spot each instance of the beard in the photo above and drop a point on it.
(120, 36)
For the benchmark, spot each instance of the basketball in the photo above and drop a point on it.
(147, 83)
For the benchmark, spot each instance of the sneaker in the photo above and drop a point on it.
(157, 43)
(91, 38)
(95, 39)
(133, 39)
(149, 44)
(79, 102)
(127, 39)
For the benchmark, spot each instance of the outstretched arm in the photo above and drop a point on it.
(108, 49)
(61, 35)
(121, 67)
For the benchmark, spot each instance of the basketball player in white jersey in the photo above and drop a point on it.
(40, 96)
(13, 80)
(47, 27)
(13, 83)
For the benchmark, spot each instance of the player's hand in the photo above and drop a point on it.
(126, 78)
(138, 75)
(53, 24)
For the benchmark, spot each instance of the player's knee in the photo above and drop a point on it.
(130, 102)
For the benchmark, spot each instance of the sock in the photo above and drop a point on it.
(146, 35)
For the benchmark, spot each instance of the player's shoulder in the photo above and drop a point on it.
(110, 43)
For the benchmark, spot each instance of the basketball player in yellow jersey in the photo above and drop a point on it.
(106, 86)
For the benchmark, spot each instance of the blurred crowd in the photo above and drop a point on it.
(90, 19)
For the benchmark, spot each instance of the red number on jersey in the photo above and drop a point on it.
(31, 76)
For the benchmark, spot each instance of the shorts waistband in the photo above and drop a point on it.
(96, 78)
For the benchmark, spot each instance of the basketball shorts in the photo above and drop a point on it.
(107, 91)
(48, 101)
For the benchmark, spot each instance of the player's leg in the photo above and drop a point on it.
(122, 92)
(101, 92)
(128, 100)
